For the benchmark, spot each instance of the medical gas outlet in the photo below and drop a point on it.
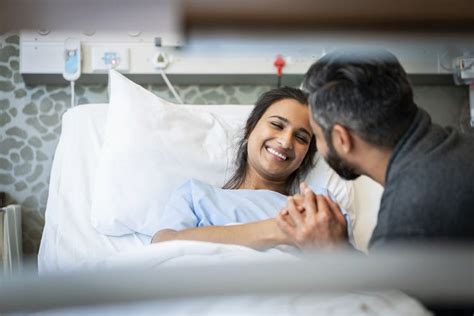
(161, 60)
(72, 59)
(105, 58)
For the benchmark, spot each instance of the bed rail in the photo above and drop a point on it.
(441, 276)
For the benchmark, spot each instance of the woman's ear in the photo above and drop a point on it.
(342, 139)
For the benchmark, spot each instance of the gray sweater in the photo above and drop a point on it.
(429, 190)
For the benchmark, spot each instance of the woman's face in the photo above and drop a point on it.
(280, 140)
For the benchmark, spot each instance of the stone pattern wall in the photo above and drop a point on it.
(30, 125)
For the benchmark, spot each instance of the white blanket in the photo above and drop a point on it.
(193, 253)
(182, 252)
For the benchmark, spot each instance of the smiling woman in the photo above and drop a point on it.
(276, 152)
(278, 129)
(280, 146)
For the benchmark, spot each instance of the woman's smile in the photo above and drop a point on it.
(277, 154)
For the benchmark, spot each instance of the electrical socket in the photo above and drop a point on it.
(105, 58)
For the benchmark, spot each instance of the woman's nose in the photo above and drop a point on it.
(285, 140)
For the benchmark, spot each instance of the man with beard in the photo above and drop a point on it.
(366, 123)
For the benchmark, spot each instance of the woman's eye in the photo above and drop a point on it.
(302, 139)
(276, 125)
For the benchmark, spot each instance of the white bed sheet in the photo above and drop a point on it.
(69, 241)
(153, 258)
(389, 303)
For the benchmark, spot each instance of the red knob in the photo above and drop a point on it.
(279, 63)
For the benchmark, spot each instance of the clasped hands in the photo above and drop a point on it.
(312, 221)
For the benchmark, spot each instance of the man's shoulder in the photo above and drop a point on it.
(435, 161)
(419, 203)
(430, 184)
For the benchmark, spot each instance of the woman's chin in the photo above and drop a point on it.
(276, 174)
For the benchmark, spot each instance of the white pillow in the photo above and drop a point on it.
(151, 146)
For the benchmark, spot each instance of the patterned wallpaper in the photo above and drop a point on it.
(30, 125)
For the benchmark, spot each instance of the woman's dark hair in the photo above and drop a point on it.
(262, 104)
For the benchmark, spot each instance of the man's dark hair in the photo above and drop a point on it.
(263, 103)
(367, 91)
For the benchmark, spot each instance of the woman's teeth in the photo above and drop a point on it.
(276, 153)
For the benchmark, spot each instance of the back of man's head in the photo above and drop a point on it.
(366, 91)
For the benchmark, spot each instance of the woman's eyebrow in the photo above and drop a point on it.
(280, 118)
(301, 129)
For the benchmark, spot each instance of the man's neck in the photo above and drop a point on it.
(375, 164)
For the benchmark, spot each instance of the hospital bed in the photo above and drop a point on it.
(159, 278)
(69, 239)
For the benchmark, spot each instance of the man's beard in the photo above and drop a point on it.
(341, 167)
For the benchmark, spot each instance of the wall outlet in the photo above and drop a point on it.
(105, 58)
(466, 65)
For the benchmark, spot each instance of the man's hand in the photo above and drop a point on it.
(313, 221)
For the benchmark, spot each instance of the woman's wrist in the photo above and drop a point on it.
(277, 236)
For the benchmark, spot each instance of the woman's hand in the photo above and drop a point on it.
(312, 221)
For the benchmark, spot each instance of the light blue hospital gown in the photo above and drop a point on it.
(198, 204)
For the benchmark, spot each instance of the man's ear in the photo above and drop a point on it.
(342, 139)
